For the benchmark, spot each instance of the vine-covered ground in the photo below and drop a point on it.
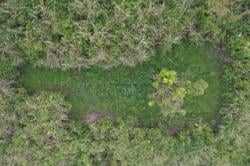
(126, 90)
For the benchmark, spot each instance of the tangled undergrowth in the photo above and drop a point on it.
(79, 33)
(36, 129)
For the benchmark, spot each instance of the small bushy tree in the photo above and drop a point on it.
(198, 88)
(171, 91)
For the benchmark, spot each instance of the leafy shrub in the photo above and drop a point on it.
(198, 88)
(170, 92)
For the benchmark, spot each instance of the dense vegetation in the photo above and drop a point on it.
(94, 82)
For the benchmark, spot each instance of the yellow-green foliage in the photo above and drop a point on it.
(168, 77)
(171, 91)
(198, 88)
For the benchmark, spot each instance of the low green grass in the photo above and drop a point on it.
(125, 90)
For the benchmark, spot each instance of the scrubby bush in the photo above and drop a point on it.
(35, 130)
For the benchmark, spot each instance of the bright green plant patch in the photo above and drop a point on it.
(126, 90)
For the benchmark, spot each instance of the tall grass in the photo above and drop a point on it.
(76, 33)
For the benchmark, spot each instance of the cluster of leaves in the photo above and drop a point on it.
(170, 92)
(198, 87)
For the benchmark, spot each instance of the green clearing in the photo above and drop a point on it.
(126, 90)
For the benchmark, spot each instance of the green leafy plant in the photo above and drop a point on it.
(171, 91)
(198, 88)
